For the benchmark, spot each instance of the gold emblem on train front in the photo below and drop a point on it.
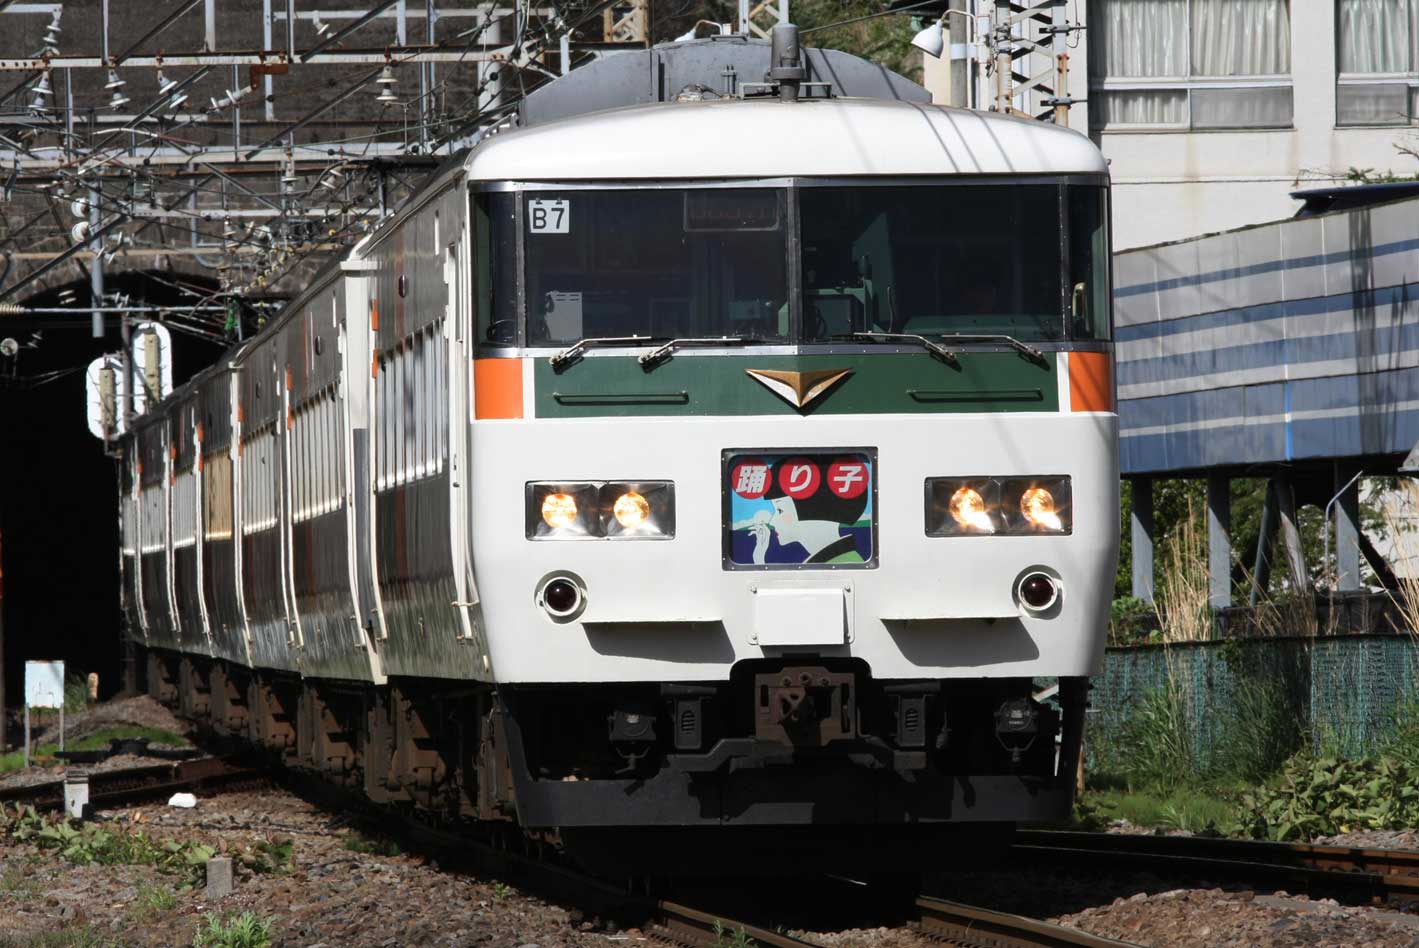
(799, 389)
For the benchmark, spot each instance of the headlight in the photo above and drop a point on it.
(562, 511)
(1037, 507)
(638, 509)
(559, 511)
(969, 511)
(984, 506)
(1036, 504)
(595, 510)
(962, 506)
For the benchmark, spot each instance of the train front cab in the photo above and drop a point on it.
(813, 549)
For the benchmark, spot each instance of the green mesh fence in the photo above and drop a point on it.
(1256, 697)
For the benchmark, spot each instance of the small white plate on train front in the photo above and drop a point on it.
(802, 615)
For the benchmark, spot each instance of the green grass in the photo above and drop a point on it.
(19, 881)
(247, 930)
(154, 900)
(1194, 810)
(74, 937)
(96, 741)
(357, 842)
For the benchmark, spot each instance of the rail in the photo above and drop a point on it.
(1377, 874)
(696, 929)
(972, 927)
(135, 784)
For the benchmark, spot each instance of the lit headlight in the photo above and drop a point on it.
(559, 511)
(638, 509)
(1036, 504)
(597, 510)
(982, 506)
(969, 511)
(1037, 507)
(562, 511)
(960, 507)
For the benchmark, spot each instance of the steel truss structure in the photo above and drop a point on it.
(237, 141)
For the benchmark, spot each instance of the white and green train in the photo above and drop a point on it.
(743, 457)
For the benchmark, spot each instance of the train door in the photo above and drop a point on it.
(286, 511)
(204, 618)
(169, 482)
(358, 337)
(456, 338)
(133, 543)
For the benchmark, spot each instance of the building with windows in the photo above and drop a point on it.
(1211, 112)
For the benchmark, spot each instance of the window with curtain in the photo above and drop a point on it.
(1190, 63)
(1377, 58)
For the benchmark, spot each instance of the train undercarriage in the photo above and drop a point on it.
(811, 755)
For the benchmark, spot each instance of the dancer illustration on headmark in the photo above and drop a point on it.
(811, 509)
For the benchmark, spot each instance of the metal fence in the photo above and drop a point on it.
(1346, 693)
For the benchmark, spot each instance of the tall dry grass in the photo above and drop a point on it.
(1404, 538)
(1182, 595)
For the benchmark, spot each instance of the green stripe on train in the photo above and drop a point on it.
(880, 383)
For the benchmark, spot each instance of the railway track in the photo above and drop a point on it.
(972, 927)
(136, 784)
(1373, 874)
(671, 921)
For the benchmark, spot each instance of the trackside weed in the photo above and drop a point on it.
(247, 930)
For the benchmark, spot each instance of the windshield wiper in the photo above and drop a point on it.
(574, 351)
(654, 357)
(935, 348)
(1025, 349)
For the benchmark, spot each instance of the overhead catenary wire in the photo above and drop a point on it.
(136, 163)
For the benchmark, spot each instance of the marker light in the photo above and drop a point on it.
(1037, 591)
(562, 595)
(968, 509)
(559, 511)
(631, 510)
(1037, 506)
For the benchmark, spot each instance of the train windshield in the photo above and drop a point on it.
(974, 260)
(666, 263)
(1026, 260)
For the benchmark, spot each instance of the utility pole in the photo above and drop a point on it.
(1013, 48)
(960, 30)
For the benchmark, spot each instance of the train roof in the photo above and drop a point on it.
(767, 137)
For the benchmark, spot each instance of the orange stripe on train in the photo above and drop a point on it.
(1091, 381)
(497, 388)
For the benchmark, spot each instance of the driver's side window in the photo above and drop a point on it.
(495, 268)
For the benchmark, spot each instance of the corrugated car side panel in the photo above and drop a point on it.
(225, 620)
(154, 527)
(412, 508)
(129, 540)
(186, 543)
(262, 553)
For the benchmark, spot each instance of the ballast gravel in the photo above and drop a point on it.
(329, 896)
(332, 896)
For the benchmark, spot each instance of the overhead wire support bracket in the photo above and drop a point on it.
(314, 114)
(346, 30)
(161, 27)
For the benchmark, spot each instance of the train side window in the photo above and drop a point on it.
(495, 268)
(1089, 290)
